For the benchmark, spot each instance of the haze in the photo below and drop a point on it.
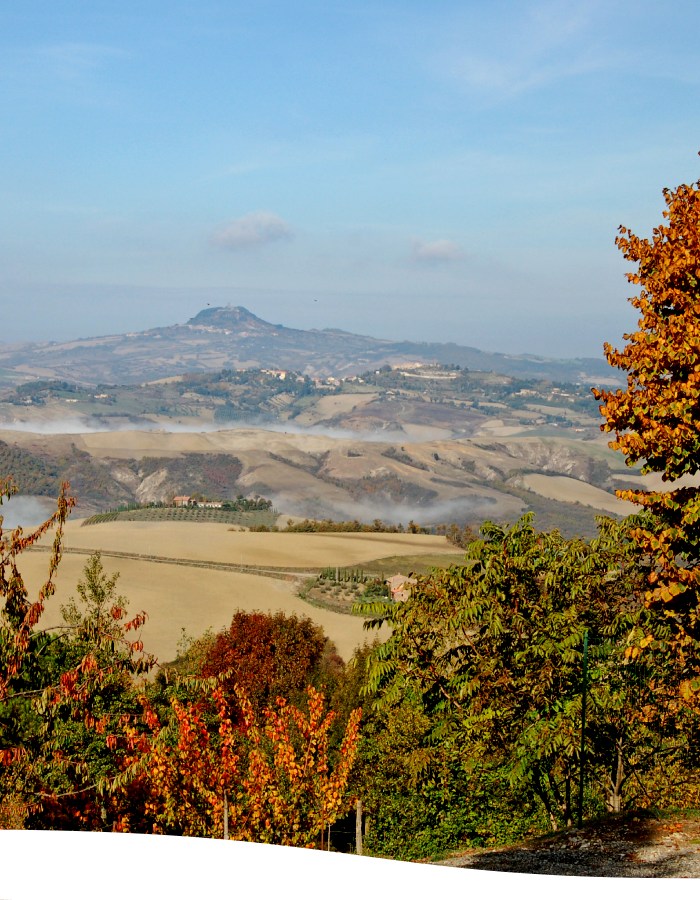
(452, 171)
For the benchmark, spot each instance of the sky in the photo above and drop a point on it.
(442, 171)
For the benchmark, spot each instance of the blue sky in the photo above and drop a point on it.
(433, 171)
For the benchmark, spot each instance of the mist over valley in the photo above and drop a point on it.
(412, 439)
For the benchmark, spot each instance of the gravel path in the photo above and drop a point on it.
(629, 846)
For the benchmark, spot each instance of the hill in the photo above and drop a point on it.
(233, 337)
(565, 481)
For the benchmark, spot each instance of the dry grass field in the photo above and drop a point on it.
(213, 542)
(571, 490)
(334, 405)
(179, 596)
(653, 481)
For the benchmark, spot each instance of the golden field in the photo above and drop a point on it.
(180, 596)
(214, 542)
(571, 490)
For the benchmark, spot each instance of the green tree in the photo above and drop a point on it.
(424, 795)
(84, 714)
(25, 666)
(493, 650)
(65, 692)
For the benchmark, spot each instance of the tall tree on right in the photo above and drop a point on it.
(656, 419)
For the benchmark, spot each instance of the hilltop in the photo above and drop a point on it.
(229, 403)
(233, 337)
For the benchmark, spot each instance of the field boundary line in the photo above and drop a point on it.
(285, 573)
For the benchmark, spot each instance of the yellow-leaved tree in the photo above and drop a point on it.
(656, 419)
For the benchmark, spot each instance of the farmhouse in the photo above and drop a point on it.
(400, 586)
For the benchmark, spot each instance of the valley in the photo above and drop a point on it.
(419, 440)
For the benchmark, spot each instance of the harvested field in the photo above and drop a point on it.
(336, 404)
(653, 481)
(571, 490)
(418, 564)
(177, 597)
(217, 543)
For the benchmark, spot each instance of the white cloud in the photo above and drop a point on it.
(252, 230)
(544, 42)
(442, 251)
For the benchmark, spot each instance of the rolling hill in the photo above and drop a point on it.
(233, 337)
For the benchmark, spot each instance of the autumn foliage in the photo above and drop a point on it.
(656, 419)
(269, 656)
(474, 705)
(20, 616)
(270, 782)
(179, 771)
(290, 792)
(86, 743)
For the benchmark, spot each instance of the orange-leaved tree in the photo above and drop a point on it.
(272, 783)
(656, 419)
(290, 792)
(180, 773)
(18, 620)
(19, 616)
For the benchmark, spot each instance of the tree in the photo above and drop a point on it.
(291, 793)
(493, 652)
(85, 711)
(272, 783)
(22, 670)
(268, 656)
(18, 617)
(63, 691)
(180, 769)
(656, 419)
(424, 796)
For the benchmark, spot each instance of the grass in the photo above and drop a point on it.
(419, 563)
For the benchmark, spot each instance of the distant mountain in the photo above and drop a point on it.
(233, 337)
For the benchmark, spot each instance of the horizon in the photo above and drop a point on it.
(460, 170)
(397, 337)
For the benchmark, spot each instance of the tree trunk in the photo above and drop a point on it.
(544, 797)
(358, 827)
(568, 815)
(614, 801)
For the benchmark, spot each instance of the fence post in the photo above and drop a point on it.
(583, 727)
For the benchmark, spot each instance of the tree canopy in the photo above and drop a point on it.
(492, 651)
(656, 419)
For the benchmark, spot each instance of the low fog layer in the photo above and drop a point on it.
(460, 510)
(97, 426)
(26, 511)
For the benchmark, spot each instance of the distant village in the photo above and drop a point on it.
(241, 503)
